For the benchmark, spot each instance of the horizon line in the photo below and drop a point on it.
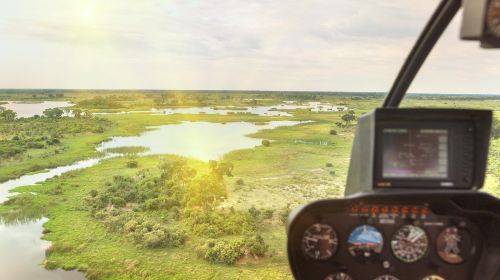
(232, 90)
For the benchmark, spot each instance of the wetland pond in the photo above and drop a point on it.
(26, 110)
(21, 249)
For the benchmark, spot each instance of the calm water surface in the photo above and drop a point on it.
(22, 253)
(201, 140)
(26, 110)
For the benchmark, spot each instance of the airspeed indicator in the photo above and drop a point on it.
(320, 242)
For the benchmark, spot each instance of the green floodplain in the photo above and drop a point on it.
(169, 217)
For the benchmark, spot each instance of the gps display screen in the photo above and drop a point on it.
(415, 153)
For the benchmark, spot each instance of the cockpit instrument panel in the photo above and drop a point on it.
(427, 236)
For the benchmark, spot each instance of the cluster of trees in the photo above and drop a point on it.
(7, 115)
(347, 119)
(101, 102)
(228, 251)
(19, 135)
(187, 202)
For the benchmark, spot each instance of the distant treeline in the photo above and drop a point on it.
(59, 93)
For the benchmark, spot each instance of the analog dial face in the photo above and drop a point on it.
(493, 17)
(433, 277)
(365, 243)
(320, 242)
(454, 245)
(386, 277)
(338, 276)
(409, 244)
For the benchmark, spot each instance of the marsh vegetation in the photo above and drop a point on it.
(186, 195)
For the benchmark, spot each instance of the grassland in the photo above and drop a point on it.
(302, 163)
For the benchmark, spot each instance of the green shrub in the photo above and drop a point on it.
(132, 164)
(333, 132)
(224, 251)
(329, 164)
(93, 193)
(254, 212)
(118, 201)
(240, 182)
(256, 245)
(216, 223)
(153, 235)
(268, 213)
(266, 143)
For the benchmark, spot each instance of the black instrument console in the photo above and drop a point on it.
(390, 236)
(413, 210)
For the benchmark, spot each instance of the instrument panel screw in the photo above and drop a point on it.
(386, 264)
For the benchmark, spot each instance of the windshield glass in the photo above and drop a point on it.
(171, 139)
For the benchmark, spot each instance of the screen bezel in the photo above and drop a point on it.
(451, 181)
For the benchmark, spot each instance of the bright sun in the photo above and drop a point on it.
(88, 13)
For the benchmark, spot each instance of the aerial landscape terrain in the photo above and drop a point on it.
(175, 184)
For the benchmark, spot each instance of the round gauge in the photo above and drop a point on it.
(493, 17)
(386, 277)
(320, 241)
(454, 245)
(433, 277)
(338, 276)
(365, 243)
(409, 244)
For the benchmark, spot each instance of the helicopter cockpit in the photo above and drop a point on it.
(413, 209)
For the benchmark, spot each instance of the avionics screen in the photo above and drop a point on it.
(415, 153)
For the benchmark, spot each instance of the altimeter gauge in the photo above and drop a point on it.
(409, 243)
(320, 242)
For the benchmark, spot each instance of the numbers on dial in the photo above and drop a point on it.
(409, 243)
(338, 276)
(320, 242)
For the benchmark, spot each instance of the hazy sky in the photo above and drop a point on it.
(327, 45)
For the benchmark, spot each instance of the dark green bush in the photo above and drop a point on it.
(93, 193)
(254, 212)
(132, 164)
(266, 143)
(267, 214)
(224, 251)
(240, 182)
(118, 201)
(256, 246)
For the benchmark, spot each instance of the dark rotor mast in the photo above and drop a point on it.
(435, 27)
